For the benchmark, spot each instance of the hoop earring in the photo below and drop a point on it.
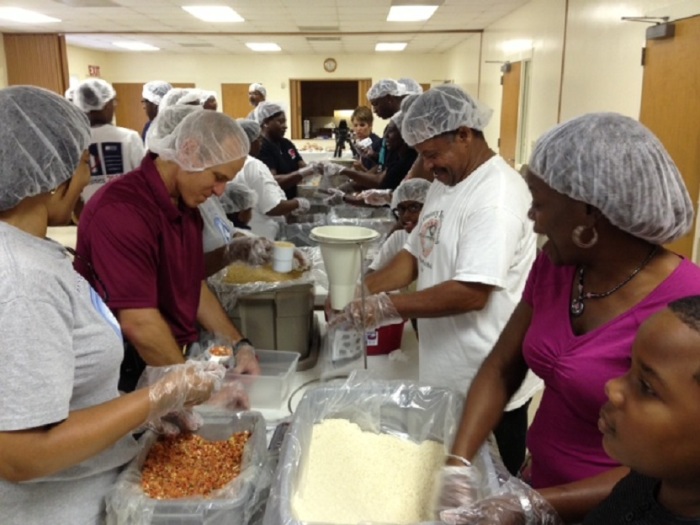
(576, 237)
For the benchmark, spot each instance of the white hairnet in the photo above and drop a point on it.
(410, 190)
(256, 86)
(155, 90)
(203, 139)
(70, 93)
(172, 96)
(399, 116)
(444, 108)
(251, 128)
(195, 96)
(93, 94)
(238, 197)
(166, 121)
(411, 86)
(265, 110)
(42, 138)
(397, 119)
(615, 164)
(385, 87)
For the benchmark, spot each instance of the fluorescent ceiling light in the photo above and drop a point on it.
(515, 46)
(390, 46)
(213, 13)
(24, 16)
(263, 46)
(135, 46)
(410, 13)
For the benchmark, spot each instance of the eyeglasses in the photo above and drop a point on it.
(95, 278)
(415, 207)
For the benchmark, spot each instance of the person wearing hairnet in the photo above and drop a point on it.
(65, 432)
(113, 150)
(385, 97)
(607, 196)
(238, 201)
(279, 154)
(471, 252)
(272, 204)
(143, 237)
(151, 96)
(411, 87)
(256, 94)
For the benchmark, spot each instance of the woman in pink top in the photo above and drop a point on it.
(607, 195)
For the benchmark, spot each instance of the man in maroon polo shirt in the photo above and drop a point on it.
(140, 244)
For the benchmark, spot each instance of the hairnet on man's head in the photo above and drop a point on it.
(615, 164)
(93, 94)
(385, 87)
(155, 90)
(238, 197)
(193, 96)
(203, 139)
(166, 121)
(397, 119)
(251, 128)
(399, 116)
(42, 138)
(70, 93)
(257, 86)
(444, 108)
(265, 110)
(411, 87)
(410, 190)
(171, 97)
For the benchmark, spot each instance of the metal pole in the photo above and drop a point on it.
(362, 301)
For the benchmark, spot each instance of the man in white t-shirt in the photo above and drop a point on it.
(113, 150)
(471, 253)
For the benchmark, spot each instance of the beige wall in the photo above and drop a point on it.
(80, 58)
(3, 63)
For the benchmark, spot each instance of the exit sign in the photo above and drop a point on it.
(94, 71)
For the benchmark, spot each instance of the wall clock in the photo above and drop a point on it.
(330, 64)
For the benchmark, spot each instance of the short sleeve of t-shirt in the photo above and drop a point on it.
(135, 152)
(258, 178)
(393, 245)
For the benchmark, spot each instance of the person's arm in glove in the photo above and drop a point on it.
(456, 486)
(376, 197)
(254, 251)
(303, 206)
(335, 197)
(378, 311)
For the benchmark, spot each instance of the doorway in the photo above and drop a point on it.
(129, 113)
(234, 100)
(510, 109)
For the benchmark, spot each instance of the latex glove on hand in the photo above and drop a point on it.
(379, 310)
(303, 206)
(172, 389)
(456, 486)
(246, 361)
(376, 197)
(331, 168)
(312, 168)
(300, 263)
(514, 504)
(335, 197)
(231, 396)
(255, 251)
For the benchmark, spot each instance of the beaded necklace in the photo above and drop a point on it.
(577, 307)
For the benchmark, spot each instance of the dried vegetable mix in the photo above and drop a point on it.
(187, 465)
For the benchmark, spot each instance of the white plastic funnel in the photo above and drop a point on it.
(340, 248)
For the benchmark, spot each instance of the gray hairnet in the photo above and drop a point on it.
(195, 96)
(70, 93)
(42, 138)
(93, 94)
(265, 110)
(251, 128)
(397, 119)
(399, 116)
(257, 86)
(238, 197)
(203, 139)
(411, 86)
(615, 164)
(155, 90)
(166, 121)
(172, 96)
(385, 87)
(444, 108)
(410, 190)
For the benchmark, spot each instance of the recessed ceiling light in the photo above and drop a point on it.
(410, 13)
(136, 46)
(263, 46)
(390, 46)
(515, 46)
(24, 16)
(213, 13)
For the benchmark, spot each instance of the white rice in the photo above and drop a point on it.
(351, 476)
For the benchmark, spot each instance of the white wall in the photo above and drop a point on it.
(79, 58)
(3, 63)
(463, 64)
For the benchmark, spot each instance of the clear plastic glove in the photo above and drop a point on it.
(379, 310)
(515, 503)
(311, 168)
(376, 197)
(246, 360)
(231, 396)
(255, 251)
(456, 486)
(303, 206)
(331, 168)
(174, 388)
(300, 263)
(185, 420)
(335, 197)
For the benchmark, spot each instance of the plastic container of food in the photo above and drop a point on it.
(272, 386)
(232, 505)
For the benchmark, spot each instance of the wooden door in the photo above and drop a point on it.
(129, 113)
(37, 60)
(234, 100)
(671, 108)
(510, 105)
(294, 113)
(363, 86)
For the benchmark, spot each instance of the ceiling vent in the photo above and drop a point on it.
(195, 44)
(88, 3)
(323, 39)
(319, 29)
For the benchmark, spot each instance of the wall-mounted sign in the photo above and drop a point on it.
(94, 71)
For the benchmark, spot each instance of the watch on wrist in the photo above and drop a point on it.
(243, 342)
